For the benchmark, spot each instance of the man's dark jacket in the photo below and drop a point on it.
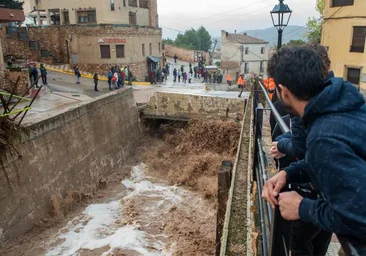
(336, 160)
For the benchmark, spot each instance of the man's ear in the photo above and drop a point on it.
(283, 90)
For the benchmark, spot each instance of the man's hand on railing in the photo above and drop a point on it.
(289, 203)
(273, 187)
(274, 151)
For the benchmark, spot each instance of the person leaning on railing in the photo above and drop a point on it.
(334, 115)
(306, 238)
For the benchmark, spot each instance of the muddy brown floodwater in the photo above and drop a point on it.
(163, 204)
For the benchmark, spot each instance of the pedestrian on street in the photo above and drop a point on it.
(123, 77)
(334, 115)
(130, 76)
(151, 77)
(179, 75)
(35, 75)
(175, 58)
(195, 71)
(43, 74)
(175, 73)
(110, 75)
(162, 76)
(30, 69)
(189, 77)
(182, 69)
(77, 74)
(96, 79)
(229, 79)
(241, 82)
(199, 72)
(115, 80)
(185, 77)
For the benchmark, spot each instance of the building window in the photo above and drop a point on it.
(132, 3)
(120, 51)
(105, 51)
(45, 53)
(261, 67)
(34, 45)
(337, 3)
(263, 50)
(124, 3)
(354, 75)
(150, 49)
(132, 18)
(87, 17)
(159, 45)
(66, 18)
(358, 41)
(246, 68)
(112, 5)
(144, 4)
(143, 49)
(246, 50)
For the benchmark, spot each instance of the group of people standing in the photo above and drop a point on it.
(118, 76)
(182, 75)
(159, 75)
(34, 75)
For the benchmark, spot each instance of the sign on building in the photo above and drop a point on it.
(112, 41)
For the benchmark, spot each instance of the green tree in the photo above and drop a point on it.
(293, 43)
(314, 25)
(205, 39)
(11, 4)
(192, 39)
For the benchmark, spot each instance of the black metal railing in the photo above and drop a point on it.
(275, 231)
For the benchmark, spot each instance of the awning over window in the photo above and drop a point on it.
(154, 59)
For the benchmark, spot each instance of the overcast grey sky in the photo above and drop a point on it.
(229, 15)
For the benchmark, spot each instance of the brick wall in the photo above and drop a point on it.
(8, 79)
(138, 69)
(183, 54)
(153, 13)
(64, 154)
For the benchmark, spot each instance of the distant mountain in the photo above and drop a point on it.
(270, 34)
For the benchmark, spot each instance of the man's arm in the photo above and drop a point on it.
(340, 176)
(285, 145)
(298, 172)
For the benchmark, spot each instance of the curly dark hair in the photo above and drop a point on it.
(323, 52)
(300, 69)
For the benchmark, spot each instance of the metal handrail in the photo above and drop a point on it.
(283, 126)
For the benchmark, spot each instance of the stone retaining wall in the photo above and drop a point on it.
(64, 154)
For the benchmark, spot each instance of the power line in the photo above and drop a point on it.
(221, 13)
(242, 14)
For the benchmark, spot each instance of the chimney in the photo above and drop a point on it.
(244, 34)
(227, 34)
(235, 31)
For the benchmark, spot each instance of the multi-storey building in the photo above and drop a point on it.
(243, 54)
(344, 33)
(97, 34)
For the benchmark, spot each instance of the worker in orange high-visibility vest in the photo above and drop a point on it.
(271, 88)
(229, 79)
(241, 82)
(266, 82)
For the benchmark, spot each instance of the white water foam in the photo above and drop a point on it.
(99, 226)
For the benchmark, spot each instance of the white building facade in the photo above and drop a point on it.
(242, 54)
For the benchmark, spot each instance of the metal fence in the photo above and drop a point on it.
(275, 231)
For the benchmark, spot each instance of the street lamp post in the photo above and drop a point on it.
(281, 15)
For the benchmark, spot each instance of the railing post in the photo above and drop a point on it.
(224, 181)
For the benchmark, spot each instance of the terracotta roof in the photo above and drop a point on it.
(7, 15)
(244, 39)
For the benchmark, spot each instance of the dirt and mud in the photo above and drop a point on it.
(163, 203)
